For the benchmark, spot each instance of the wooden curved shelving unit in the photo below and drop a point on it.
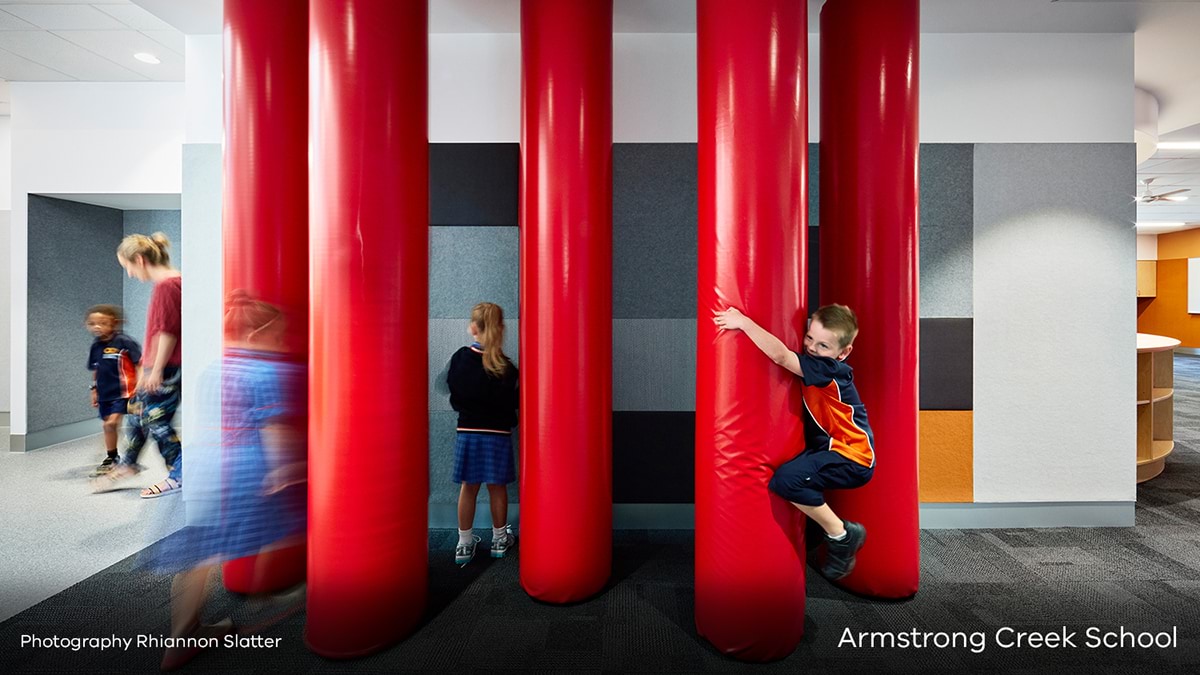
(1155, 403)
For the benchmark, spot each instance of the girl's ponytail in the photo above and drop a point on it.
(489, 321)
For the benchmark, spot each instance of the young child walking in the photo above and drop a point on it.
(113, 361)
(839, 449)
(483, 390)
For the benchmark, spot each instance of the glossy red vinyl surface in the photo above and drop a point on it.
(753, 150)
(369, 214)
(265, 238)
(566, 298)
(869, 238)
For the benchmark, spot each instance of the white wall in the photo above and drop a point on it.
(1055, 326)
(975, 88)
(201, 230)
(5, 283)
(91, 138)
(1147, 247)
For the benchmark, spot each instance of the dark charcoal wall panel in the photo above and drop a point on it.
(473, 183)
(654, 230)
(947, 364)
(654, 457)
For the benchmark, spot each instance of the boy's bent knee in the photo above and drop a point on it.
(791, 486)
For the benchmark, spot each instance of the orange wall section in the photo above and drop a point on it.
(1166, 314)
(947, 456)
(1184, 244)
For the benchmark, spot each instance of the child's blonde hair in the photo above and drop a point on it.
(152, 249)
(841, 320)
(489, 321)
(246, 315)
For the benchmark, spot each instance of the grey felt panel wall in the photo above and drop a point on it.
(654, 230)
(137, 293)
(654, 364)
(947, 363)
(72, 266)
(473, 183)
(468, 265)
(947, 229)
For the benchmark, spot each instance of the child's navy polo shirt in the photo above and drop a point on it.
(115, 363)
(837, 416)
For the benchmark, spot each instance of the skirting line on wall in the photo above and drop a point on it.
(933, 516)
(1026, 514)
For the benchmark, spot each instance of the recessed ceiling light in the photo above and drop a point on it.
(147, 57)
(1179, 145)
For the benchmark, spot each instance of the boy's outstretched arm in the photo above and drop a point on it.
(773, 347)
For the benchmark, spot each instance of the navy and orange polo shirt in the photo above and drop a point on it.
(115, 363)
(836, 417)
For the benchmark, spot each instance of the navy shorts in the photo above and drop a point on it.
(805, 479)
(119, 406)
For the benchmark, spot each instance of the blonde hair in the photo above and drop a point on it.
(489, 321)
(841, 320)
(246, 315)
(152, 249)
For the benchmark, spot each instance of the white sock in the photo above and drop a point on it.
(839, 537)
(464, 537)
(499, 531)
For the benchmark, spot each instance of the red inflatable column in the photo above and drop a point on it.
(566, 298)
(266, 202)
(753, 150)
(869, 147)
(369, 195)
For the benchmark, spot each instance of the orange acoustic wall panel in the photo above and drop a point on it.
(1184, 244)
(947, 456)
(1166, 313)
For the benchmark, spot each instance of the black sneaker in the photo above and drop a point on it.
(107, 465)
(839, 559)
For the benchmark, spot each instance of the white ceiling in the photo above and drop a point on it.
(94, 41)
(126, 202)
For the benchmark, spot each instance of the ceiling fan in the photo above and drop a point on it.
(1148, 197)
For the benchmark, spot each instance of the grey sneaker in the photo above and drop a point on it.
(502, 544)
(464, 552)
(839, 559)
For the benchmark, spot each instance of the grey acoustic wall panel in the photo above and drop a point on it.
(468, 265)
(654, 230)
(654, 364)
(947, 364)
(446, 336)
(1055, 323)
(72, 266)
(473, 183)
(137, 293)
(946, 228)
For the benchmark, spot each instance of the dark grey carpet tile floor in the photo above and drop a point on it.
(1145, 578)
